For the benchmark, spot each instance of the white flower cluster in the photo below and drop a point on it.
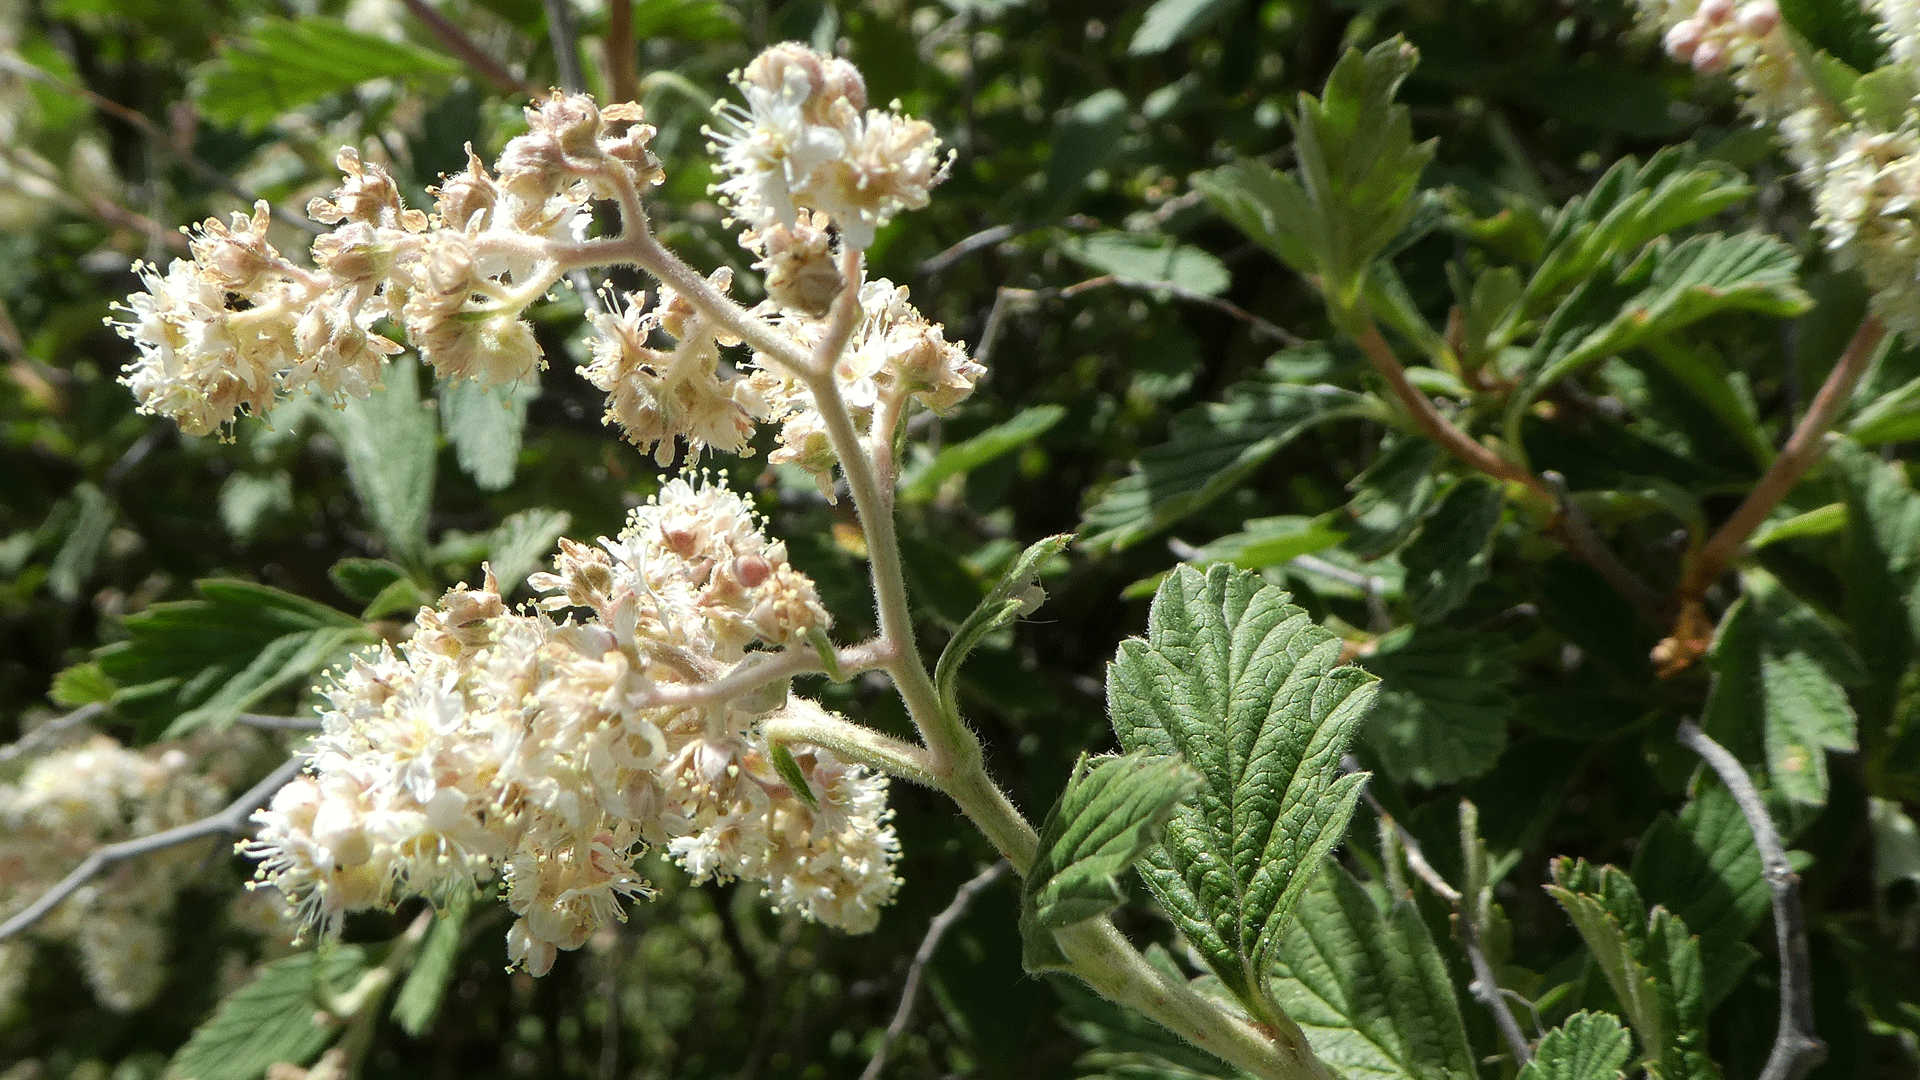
(894, 356)
(1865, 178)
(239, 325)
(555, 751)
(807, 141)
(74, 800)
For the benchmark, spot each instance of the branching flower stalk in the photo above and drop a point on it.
(645, 701)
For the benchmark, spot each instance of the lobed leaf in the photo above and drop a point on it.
(1452, 552)
(1108, 816)
(275, 1018)
(1704, 867)
(1366, 983)
(389, 442)
(286, 63)
(1213, 448)
(1443, 706)
(1245, 687)
(1588, 1046)
(485, 426)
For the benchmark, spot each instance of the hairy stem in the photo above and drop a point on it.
(803, 721)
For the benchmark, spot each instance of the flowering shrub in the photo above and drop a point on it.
(1536, 561)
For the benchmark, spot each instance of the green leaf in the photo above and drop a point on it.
(1589, 1046)
(364, 579)
(1689, 282)
(81, 684)
(1881, 575)
(419, 996)
(1704, 867)
(276, 1017)
(1169, 22)
(1364, 980)
(1452, 552)
(1150, 260)
(1883, 97)
(1650, 961)
(521, 543)
(1629, 207)
(1265, 542)
(789, 771)
(284, 64)
(1443, 708)
(1892, 417)
(1249, 691)
(1212, 449)
(195, 662)
(1002, 604)
(388, 440)
(1270, 207)
(1724, 394)
(1845, 28)
(248, 499)
(1827, 519)
(1391, 496)
(73, 564)
(1085, 139)
(1107, 817)
(485, 424)
(1778, 663)
(922, 484)
(687, 20)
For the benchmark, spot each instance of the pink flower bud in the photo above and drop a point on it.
(1710, 57)
(1714, 12)
(1683, 39)
(1758, 18)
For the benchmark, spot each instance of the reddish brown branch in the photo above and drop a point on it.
(456, 41)
(623, 72)
(1801, 451)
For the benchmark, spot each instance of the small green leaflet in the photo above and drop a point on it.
(189, 663)
(389, 441)
(1213, 448)
(1649, 959)
(1150, 260)
(1892, 417)
(272, 1018)
(923, 483)
(484, 425)
(1264, 542)
(1589, 1046)
(1777, 661)
(1245, 687)
(419, 996)
(1109, 814)
(1391, 496)
(1001, 605)
(1881, 573)
(284, 64)
(789, 771)
(1362, 977)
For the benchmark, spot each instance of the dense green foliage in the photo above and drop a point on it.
(1169, 260)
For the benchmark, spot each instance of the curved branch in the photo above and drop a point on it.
(229, 821)
(923, 956)
(1796, 1049)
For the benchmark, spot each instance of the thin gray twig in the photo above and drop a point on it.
(1796, 1049)
(229, 821)
(936, 930)
(278, 723)
(566, 46)
(49, 733)
(1485, 988)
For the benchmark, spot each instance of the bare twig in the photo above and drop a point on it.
(623, 75)
(1008, 294)
(278, 723)
(156, 137)
(49, 733)
(1802, 450)
(229, 821)
(936, 930)
(1796, 1049)
(456, 41)
(985, 238)
(1485, 988)
(1574, 528)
